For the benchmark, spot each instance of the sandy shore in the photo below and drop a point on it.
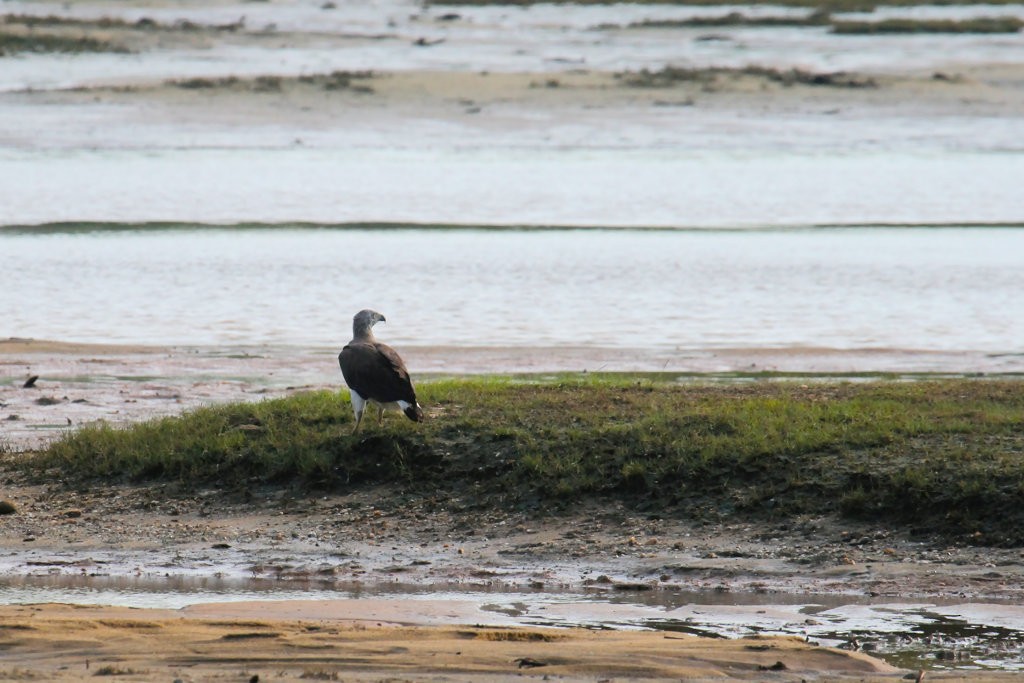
(259, 642)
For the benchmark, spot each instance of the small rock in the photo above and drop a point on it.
(529, 662)
(7, 507)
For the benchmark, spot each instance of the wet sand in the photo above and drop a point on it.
(344, 642)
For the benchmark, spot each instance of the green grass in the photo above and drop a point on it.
(944, 456)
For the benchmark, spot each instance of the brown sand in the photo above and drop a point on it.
(239, 642)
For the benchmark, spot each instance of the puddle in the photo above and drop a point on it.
(930, 635)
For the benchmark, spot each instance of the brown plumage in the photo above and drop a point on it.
(375, 373)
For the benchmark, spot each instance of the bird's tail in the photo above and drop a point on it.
(414, 412)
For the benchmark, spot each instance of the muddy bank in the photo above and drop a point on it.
(381, 536)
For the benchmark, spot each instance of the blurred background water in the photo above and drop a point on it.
(867, 288)
(126, 161)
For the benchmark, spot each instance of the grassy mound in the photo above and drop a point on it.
(943, 456)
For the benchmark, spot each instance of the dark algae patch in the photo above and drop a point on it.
(821, 17)
(14, 43)
(110, 23)
(25, 33)
(975, 25)
(939, 457)
(353, 81)
(671, 76)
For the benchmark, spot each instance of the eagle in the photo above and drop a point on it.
(375, 373)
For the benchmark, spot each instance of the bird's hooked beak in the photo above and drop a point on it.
(381, 318)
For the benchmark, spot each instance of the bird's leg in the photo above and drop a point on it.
(358, 406)
(380, 415)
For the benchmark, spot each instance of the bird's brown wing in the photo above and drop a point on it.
(376, 372)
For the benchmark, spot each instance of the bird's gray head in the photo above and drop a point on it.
(364, 320)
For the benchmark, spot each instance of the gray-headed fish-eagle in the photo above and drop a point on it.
(375, 373)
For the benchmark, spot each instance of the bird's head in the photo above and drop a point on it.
(364, 320)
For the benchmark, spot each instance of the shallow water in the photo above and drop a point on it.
(941, 290)
(532, 187)
(551, 38)
(934, 635)
(672, 165)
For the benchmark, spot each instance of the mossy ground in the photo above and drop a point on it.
(942, 456)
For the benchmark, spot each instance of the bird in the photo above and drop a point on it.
(375, 372)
